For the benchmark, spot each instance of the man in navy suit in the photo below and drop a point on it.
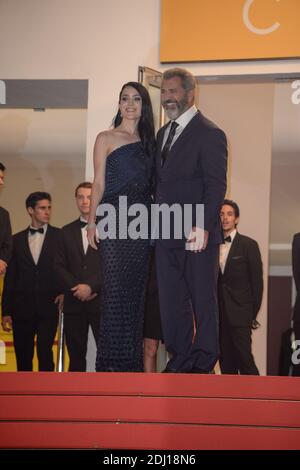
(240, 294)
(30, 294)
(191, 163)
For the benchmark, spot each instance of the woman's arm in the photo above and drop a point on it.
(100, 154)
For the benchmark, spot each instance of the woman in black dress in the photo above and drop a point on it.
(122, 165)
(152, 324)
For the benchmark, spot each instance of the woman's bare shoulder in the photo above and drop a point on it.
(105, 136)
(111, 139)
(104, 142)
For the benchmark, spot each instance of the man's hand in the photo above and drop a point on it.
(197, 240)
(59, 300)
(3, 266)
(91, 297)
(6, 323)
(82, 291)
(255, 324)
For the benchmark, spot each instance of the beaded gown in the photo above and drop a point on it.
(124, 265)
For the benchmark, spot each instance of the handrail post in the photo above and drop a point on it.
(60, 359)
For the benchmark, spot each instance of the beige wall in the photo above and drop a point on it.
(43, 151)
(104, 41)
(57, 179)
(285, 195)
(245, 112)
(101, 40)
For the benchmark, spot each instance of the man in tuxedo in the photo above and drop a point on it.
(296, 274)
(240, 294)
(77, 268)
(30, 294)
(5, 232)
(191, 163)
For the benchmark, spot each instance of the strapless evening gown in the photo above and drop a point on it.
(124, 266)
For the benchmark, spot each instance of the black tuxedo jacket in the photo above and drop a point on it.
(296, 274)
(194, 173)
(5, 236)
(73, 267)
(241, 285)
(29, 288)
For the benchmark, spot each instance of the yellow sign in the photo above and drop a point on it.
(205, 30)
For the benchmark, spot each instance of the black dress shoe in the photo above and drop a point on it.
(197, 370)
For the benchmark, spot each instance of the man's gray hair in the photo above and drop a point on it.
(187, 79)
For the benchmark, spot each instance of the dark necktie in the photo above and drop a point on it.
(228, 239)
(168, 143)
(33, 231)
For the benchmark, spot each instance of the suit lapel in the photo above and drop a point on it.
(25, 243)
(160, 138)
(78, 238)
(232, 253)
(179, 143)
(46, 242)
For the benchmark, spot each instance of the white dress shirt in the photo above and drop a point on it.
(182, 122)
(35, 242)
(224, 250)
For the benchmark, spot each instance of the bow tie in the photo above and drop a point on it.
(228, 239)
(33, 231)
(82, 223)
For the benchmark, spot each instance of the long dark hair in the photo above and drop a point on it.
(146, 122)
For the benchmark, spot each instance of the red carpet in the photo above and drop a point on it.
(148, 411)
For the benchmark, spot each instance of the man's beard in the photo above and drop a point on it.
(174, 113)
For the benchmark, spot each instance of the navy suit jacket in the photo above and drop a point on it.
(194, 173)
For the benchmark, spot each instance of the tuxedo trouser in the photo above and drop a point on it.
(24, 331)
(187, 284)
(76, 326)
(235, 343)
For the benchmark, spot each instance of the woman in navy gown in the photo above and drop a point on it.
(122, 167)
